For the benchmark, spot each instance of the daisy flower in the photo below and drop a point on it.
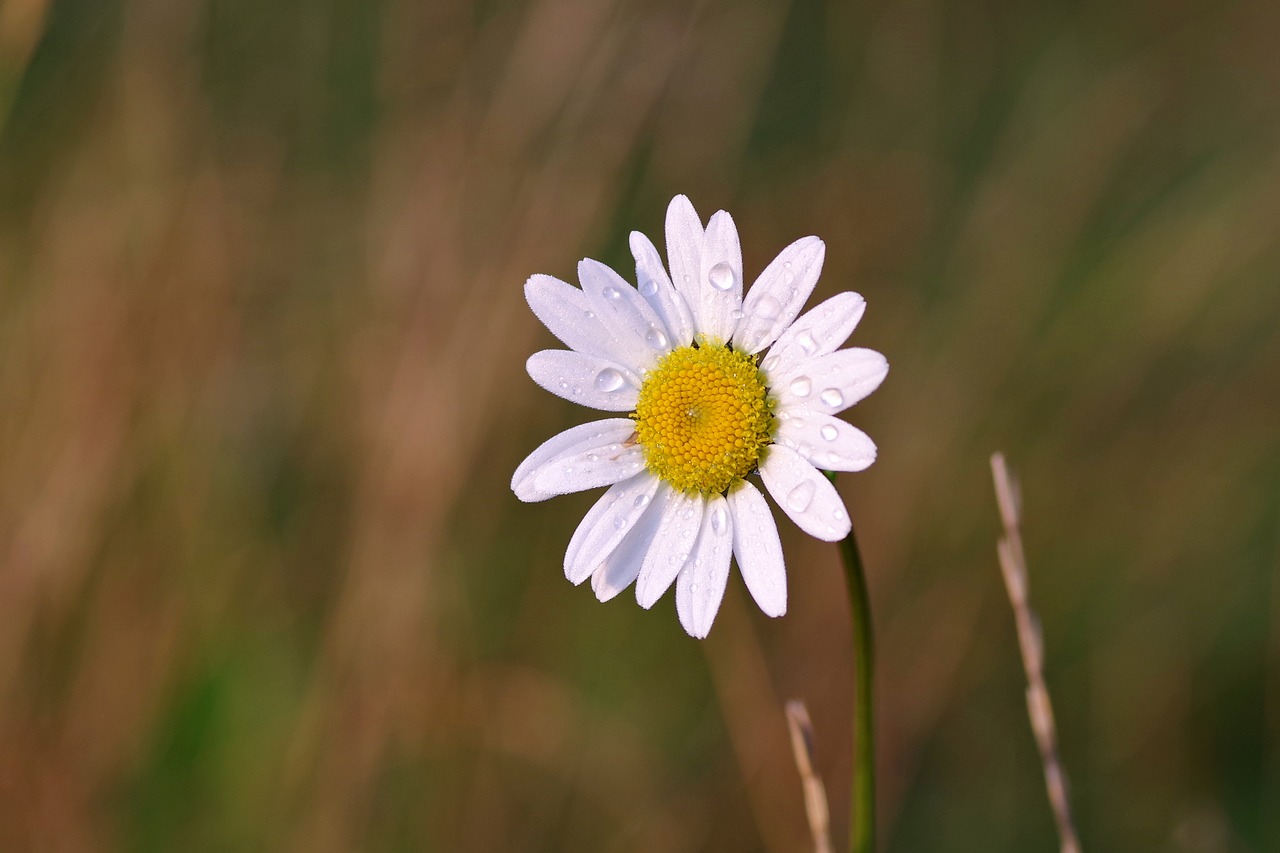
(684, 355)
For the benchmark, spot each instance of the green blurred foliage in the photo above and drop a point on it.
(263, 585)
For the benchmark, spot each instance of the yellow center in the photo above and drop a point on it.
(703, 418)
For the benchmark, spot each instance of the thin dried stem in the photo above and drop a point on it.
(1013, 565)
(815, 795)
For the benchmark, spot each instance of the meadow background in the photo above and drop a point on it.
(263, 585)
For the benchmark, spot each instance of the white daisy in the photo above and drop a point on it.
(681, 355)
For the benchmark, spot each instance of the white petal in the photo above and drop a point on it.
(681, 519)
(779, 293)
(684, 249)
(616, 572)
(634, 325)
(821, 330)
(828, 443)
(585, 379)
(606, 523)
(700, 586)
(585, 457)
(758, 549)
(655, 286)
(833, 382)
(568, 313)
(719, 293)
(805, 494)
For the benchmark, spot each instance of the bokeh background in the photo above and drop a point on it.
(263, 585)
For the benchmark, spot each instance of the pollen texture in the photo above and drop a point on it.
(703, 418)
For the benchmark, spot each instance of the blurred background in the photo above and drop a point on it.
(263, 584)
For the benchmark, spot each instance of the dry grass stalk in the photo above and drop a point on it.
(815, 795)
(1013, 565)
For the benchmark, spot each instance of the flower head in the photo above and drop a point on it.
(681, 354)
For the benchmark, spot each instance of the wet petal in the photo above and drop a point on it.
(606, 523)
(619, 569)
(779, 293)
(826, 442)
(585, 379)
(655, 286)
(719, 291)
(684, 249)
(834, 382)
(701, 583)
(672, 545)
(805, 494)
(758, 549)
(585, 457)
(821, 330)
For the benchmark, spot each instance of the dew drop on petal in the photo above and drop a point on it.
(721, 276)
(693, 587)
(655, 338)
(611, 293)
(589, 315)
(798, 423)
(800, 386)
(591, 457)
(719, 520)
(837, 513)
(769, 363)
(834, 459)
(830, 433)
(768, 308)
(832, 397)
(641, 501)
(648, 286)
(799, 498)
(807, 343)
(619, 522)
(608, 380)
(787, 264)
(687, 513)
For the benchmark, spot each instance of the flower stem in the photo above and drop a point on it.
(862, 817)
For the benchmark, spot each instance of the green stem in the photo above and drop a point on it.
(862, 818)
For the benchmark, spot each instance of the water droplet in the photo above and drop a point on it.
(800, 386)
(687, 513)
(648, 286)
(798, 423)
(834, 459)
(807, 343)
(564, 386)
(832, 397)
(619, 522)
(589, 315)
(830, 433)
(799, 498)
(591, 457)
(611, 293)
(768, 308)
(787, 264)
(735, 315)
(641, 501)
(719, 520)
(837, 513)
(693, 587)
(608, 380)
(769, 363)
(721, 276)
(655, 338)
(785, 416)
(575, 391)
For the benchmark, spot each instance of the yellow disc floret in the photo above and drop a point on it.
(703, 418)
